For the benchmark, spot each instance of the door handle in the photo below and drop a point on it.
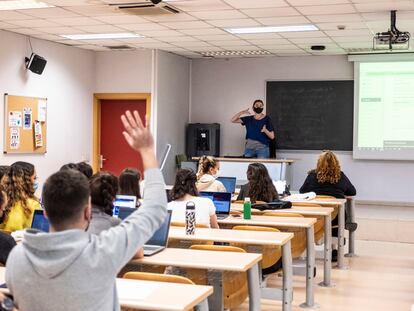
(101, 161)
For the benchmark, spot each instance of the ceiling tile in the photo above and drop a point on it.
(229, 43)
(12, 15)
(192, 44)
(245, 22)
(201, 5)
(175, 49)
(179, 39)
(143, 27)
(350, 45)
(293, 53)
(92, 10)
(76, 21)
(182, 17)
(48, 37)
(217, 37)
(271, 12)
(385, 6)
(138, 40)
(278, 47)
(223, 14)
(244, 48)
(353, 39)
(121, 19)
(93, 47)
(307, 46)
(269, 41)
(249, 4)
(335, 18)
(207, 49)
(303, 34)
(7, 26)
(64, 3)
(27, 31)
(50, 13)
(186, 25)
(347, 33)
(34, 23)
(316, 2)
(154, 45)
(348, 25)
(100, 29)
(160, 33)
(61, 30)
(326, 9)
(315, 41)
(289, 20)
(71, 42)
(205, 31)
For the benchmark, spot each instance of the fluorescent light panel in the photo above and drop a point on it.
(98, 36)
(268, 29)
(23, 5)
(236, 53)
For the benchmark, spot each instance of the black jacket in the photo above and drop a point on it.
(6, 244)
(339, 190)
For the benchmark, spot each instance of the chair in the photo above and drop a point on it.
(235, 288)
(271, 254)
(179, 158)
(299, 239)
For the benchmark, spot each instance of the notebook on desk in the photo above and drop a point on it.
(159, 240)
(222, 202)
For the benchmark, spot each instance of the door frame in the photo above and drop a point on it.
(97, 98)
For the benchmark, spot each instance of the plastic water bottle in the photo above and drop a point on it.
(247, 208)
(190, 220)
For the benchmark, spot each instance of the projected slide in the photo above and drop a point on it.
(386, 108)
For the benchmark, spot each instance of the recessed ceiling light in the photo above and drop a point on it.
(97, 36)
(23, 5)
(235, 53)
(267, 29)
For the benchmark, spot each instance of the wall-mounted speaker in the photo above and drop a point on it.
(36, 63)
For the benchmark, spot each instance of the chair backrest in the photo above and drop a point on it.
(235, 289)
(298, 242)
(180, 158)
(271, 254)
(146, 276)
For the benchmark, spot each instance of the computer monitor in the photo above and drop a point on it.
(123, 201)
(221, 200)
(229, 183)
(40, 222)
(160, 237)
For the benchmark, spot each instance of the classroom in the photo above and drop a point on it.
(263, 148)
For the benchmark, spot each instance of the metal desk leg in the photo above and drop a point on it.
(327, 245)
(202, 306)
(310, 268)
(341, 236)
(351, 211)
(287, 277)
(216, 300)
(254, 288)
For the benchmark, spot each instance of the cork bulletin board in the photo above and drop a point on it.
(25, 124)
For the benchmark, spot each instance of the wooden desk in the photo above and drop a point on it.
(309, 211)
(216, 263)
(287, 222)
(254, 238)
(164, 296)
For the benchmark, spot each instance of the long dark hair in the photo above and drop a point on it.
(129, 182)
(104, 187)
(261, 187)
(185, 183)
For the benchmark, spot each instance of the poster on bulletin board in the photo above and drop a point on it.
(25, 124)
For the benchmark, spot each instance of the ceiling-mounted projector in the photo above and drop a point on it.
(393, 39)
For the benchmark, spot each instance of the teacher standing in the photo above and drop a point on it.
(259, 130)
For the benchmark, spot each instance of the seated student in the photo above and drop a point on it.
(69, 166)
(85, 168)
(69, 269)
(103, 187)
(129, 183)
(184, 191)
(6, 240)
(260, 186)
(20, 184)
(3, 170)
(208, 169)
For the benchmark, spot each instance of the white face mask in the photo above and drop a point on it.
(217, 174)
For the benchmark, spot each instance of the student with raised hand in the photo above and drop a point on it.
(260, 186)
(129, 183)
(208, 170)
(20, 184)
(103, 187)
(69, 269)
(184, 191)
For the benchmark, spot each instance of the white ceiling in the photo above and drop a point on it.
(199, 26)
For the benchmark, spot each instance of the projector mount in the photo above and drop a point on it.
(392, 37)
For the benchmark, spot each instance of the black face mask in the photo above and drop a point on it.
(258, 109)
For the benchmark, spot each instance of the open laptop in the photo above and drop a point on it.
(129, 201)
(222, 202)
(40, 222)
(159, 240)
(229, 183)
(124, 212)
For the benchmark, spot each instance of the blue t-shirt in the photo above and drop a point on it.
(254, 128)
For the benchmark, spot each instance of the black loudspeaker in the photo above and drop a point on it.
(203, 139)
(36, 63)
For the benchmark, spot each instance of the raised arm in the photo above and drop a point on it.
(236, 117)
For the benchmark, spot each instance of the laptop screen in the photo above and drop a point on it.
(221, 200)
(124, 212)
(129, 201)
(40, 222)
(229, 183)
(160, 237)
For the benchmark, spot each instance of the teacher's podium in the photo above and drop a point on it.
(237, 167)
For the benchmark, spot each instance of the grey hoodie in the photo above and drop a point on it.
(73, 270)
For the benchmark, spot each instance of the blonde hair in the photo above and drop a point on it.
(204, 165)
(328, 168)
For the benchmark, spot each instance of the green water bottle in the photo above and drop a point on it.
(247, 208)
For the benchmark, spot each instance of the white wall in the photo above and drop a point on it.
(67, 82)
(172, 81)
(220, 88)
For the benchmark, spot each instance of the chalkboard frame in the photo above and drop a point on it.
(349, 148)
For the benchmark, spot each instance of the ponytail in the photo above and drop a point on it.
(204, 165)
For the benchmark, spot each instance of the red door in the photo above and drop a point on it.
(115, 152)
